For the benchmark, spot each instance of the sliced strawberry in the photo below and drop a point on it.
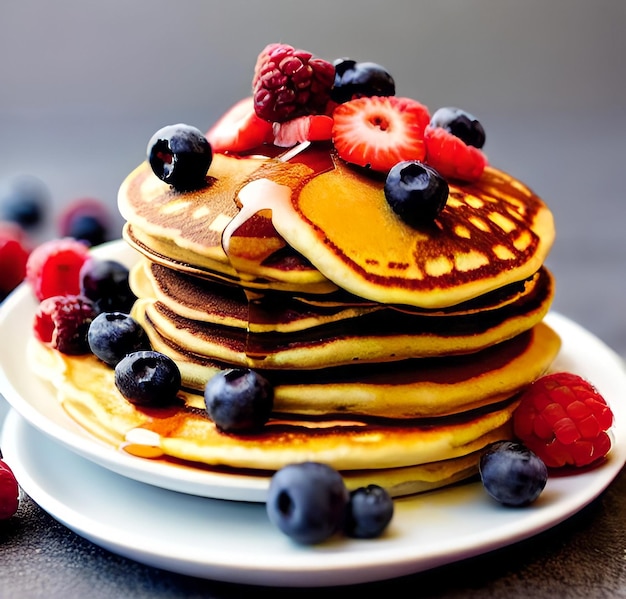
(452, 157)
(313, 127)
(378, 132)
(239, 129)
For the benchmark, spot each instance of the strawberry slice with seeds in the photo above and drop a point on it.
(452, 157)
(312, 127)
(378, 132)
(239, 129)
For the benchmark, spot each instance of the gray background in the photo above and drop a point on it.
(83, 85)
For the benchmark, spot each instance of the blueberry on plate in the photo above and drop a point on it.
(369, 512)
(238, 400)
(416, 192)
(113, 335)
(180, 155)
(359, 79)
(461, 124)
(307, 502)
(148, 378)
(105, 282)
(512, 474)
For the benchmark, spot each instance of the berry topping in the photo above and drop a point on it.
(105, 282)
(512, 474)
(358, 79)
(239, 400)
(13, 258)
(85, 219)
(180, 155)
(288, 83)
(239, 129)
(370, 510)
(62, 323)
(564, 420)
(379, 132)
(24, 201)
(53, 267)
(307, 502)
(461, 124)
(9, 492)
(148, 378)
(451, 156)
(312, 127)
(114, 335)
(416, 192)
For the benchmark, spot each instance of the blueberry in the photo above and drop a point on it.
(113, 335)
(105, 282)
(512, 474)
(307, 502)
(461, 124)
(24, 201)
(180, 155)
(88, 228)
(370, 510)
(417, 193)
(148, 378)
(238, 400)
(357, 79)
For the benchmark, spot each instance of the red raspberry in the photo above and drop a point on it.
(53, 267)
(451, 156)
(62, 322)
(13, 257)
(9, 492)
(564, 420)
(288, 83)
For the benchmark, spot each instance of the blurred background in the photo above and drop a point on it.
(83, 85)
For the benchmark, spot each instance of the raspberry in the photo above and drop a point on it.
(288, 83)
(13, 257)
(53, 267)
(62, 322)
(9, 492)
(564, 420)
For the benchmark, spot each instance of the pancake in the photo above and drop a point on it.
(87, 391)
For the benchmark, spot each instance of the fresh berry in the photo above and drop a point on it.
(461, 124)
(180, 155)
(13, 258)
(148, 378)
(114, 335)
(62, 323)
(358, 79)
(85, 219)
(564, 420)
(239, 129)
(312, 127)
(288, 83)
(105, 282)
(238, 400)
(9, 492)
(24, 201)
(307, 502)
(369, 512)
(512, 474)
(452, 157)
(416, 192)
(379, 132)
(53, 267)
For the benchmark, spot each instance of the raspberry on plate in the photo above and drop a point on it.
(13, 258)
(9, 492)
(63, 321)
(564, 420)
(288, 83)
(53, 267)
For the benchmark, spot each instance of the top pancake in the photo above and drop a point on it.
(337, 226)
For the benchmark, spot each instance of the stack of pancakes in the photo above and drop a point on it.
(396, 353)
